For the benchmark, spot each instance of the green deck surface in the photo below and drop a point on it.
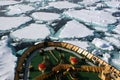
(37, 59)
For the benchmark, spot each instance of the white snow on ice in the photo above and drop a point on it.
(101, 5)
(7, 23)
(88, 2)
(92, 17)
(8, 2)
(33, 0)
(113, 3)
(106, 57)
(100, 28)
(74, 29)
(113, 41)
(111, 10)
(82, 44)
(117, 36)
(91, 8)
(63, 5)
(18, 9)
(44, 16)
(102, 44)
(117, 29)
(116, 62)
(31, 32)
(7, 60)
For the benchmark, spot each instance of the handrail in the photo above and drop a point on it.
(65, 45)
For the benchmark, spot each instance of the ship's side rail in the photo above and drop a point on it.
(74, 48)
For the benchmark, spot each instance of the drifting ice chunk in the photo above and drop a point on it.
(113, 41)
(44, 16)
(111, 10)
(102, 44)
(97, 18)
(18, 9)
(116, 63)
(117, 36)
(7, 60)
(101, 5)
(31, 32)
(63, 5)
(81, 44)
(106, 57)
(33, 0)
(91, 8)
(117, 29)
(74, 29)
(101, 28)
(88, 2)
(8, 2)
(113, 4)
(7, 23)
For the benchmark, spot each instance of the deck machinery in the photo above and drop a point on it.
(62, 61)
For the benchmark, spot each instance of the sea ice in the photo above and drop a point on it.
(8, 2)
(116, 63)
(113, 41)
(74, 29)
(18, 9)
(101, 5)
(63, 5)
(91, 17)
(7, 23)
(32, 32)
(106, 57)
(113, 3)
(45, 16)
(88, 2)
(100, 28)
(102, 44)
(111, 10)
(7, 60)
(117, 29)
(33, 0)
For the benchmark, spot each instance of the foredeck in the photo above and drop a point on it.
(53, 60)
(53, 54)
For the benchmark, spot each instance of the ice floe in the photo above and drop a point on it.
(7, 23)
(116, 62)
(32, 32)
(113, 3)
(117, 36)
(8, 2)
(88, 2)
(18, 9)
(101, 28)
(106, 57)
(102, 44)
(101, 5)
(81, 44)
(91, 17)
(111, 10)
(113, 41)
(74, 29)
(45, 16)
(33, 0)
(63, 5)
(7, 60)
(117, 29)
(91, 8)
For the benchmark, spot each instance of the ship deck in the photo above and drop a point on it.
(53, 58)
(56, 56)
